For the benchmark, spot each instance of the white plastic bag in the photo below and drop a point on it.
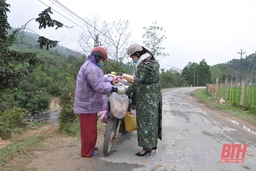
(118, 104)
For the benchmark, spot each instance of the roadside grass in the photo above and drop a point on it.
(101, 127)
(233, 110)
(20, 146)
(73, 129)
(25, 126)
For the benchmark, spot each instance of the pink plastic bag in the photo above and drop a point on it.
(133, 112)
(103, 116)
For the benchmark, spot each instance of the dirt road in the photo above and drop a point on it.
(192, 132)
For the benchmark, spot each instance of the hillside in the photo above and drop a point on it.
(236, 69)
(28, 40)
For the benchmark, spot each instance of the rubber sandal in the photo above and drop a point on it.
(94, 154)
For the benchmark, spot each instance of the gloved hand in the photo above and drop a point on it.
(120, 90)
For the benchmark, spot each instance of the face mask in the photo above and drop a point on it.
(101, 64)
(135, 61)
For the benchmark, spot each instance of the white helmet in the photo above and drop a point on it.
(134, 48)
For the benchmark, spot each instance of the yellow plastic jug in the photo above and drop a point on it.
(130, 122)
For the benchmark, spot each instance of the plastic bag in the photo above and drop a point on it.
(103, 116)
(118, 104)
(133, 112)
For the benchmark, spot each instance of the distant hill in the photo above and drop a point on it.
(232, 70)
(29, 40)
(236, 69)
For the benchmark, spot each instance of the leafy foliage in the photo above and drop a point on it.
(4, 26)
(153, 40)
(197, 74)
(204, 73)
(190, 73)
(14, 66)
(10, 119)
(172, 78)
(18, 87)
(46, 42)
(45, 20)
(237, 69)
(223, 72)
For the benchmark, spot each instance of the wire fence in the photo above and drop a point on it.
(235, 94)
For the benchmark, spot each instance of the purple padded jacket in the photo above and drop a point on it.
(91, 89)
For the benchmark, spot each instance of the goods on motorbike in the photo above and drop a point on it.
(130, 122)
(103, 116)
(128, 77)
(118, 104)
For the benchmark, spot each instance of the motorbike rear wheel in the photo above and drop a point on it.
(110, 135)
(122, 129)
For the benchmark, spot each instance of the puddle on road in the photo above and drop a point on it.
(243, 126)
(52, 117)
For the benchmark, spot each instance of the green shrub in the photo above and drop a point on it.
(70, 128)
(10, 119)
(5, 131)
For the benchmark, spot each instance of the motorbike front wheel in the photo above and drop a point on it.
(110, 135)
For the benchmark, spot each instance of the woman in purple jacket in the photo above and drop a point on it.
(91, 97)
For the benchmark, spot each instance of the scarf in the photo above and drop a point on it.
(144, 56)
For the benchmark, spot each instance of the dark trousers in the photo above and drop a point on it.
(88, 133)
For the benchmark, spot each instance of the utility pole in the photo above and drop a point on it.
(241, 75)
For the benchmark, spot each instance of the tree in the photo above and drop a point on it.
(190, 73)
(94, 35)
(215, 73)
(114, 37)
(171, 78)
(14, 65)
(118, 41)
(223, 71)
(154, 37)
(197, 74)
(204, 73)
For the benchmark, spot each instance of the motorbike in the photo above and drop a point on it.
(115, 122)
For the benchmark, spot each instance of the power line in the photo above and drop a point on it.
(63, 15)
(65, 9)
(57, 3)
(74, 15)
(77, 17)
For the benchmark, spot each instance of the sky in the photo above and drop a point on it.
(213, 30)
